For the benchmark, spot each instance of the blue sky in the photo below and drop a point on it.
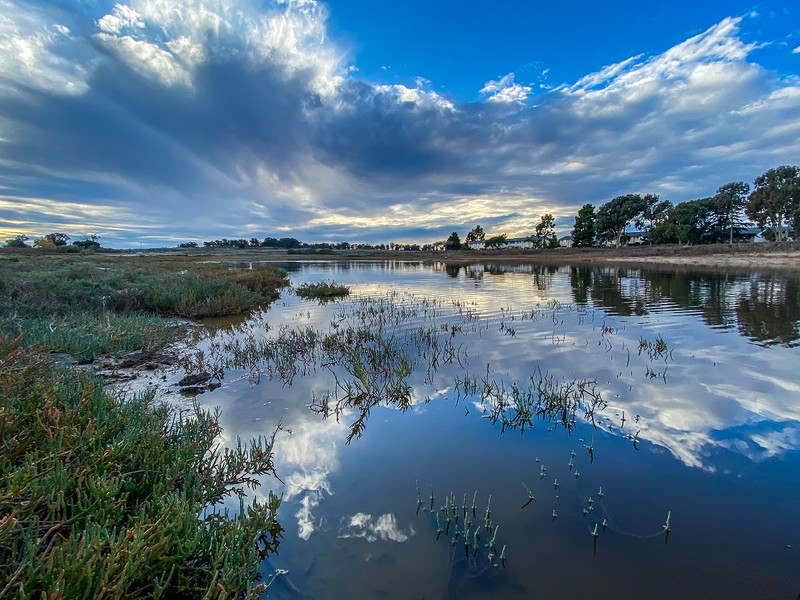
(159, 121)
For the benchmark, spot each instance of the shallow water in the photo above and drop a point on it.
(710, 434)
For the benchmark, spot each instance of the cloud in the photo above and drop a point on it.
(373, 529)
(505, 90)
(200, 119)
(120, 19)
(35, 51)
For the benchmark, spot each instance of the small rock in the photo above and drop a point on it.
(194, 379)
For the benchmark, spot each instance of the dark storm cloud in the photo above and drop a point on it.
(129, 125)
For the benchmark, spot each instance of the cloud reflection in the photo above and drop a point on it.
(372, 528)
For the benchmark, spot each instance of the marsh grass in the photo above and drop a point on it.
(92, 305)
(322, 291)
(87, 336)
(107, 497)
(61, 285)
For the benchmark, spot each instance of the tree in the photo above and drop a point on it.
(289, 242)
(544, 232)
(686, 223)
(775, 200)
(453, 242)
(189, 244)
(614, 216)
(654, 211)
(496, 240)
(89, 242)
(476, 235)
(583, 233)
(729, 203)
(58, 239)
(18, 241)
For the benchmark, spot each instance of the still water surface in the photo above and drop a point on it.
(703, 431)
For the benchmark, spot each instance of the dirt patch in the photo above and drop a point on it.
(760, 256)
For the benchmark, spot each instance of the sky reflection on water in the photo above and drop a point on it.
(716, 423)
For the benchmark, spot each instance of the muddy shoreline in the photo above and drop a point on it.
(754, 257)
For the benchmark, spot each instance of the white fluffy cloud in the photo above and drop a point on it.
(37, 51)
(506, 90)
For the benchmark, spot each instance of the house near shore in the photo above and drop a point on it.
(521, 243)
(748, 235)
(634, 238)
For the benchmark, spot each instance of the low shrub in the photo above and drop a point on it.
(179, 286)
(87, 335)
(108, 497)
(322, 291)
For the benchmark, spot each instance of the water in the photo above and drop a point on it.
(710, 434)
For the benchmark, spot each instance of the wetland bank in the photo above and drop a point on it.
(517, 430)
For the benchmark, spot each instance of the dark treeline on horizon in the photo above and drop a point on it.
(290, 243)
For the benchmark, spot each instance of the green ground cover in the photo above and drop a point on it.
(110, 497)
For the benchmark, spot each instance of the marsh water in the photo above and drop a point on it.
(525, 431)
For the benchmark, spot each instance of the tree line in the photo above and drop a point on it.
(772, 204)
(54, 240)
(290, 243)
(543, 236)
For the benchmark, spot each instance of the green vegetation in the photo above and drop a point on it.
(94, 305)
(775, 201)
(86, 336)
(106, 497)
(545, 233)
(496, 240)
(773, 205)
(476, 235)
(614, 216)
(101, 497)
(730, 202)
(18, 241)
(453, 242)
(583, 234)
(322, 291)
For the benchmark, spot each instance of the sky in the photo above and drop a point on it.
(155, 122)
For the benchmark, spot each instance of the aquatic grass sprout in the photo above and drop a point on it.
(465, 532)
(375, 344)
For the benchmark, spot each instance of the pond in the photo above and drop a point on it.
(517, 431)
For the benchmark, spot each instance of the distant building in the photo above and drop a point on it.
(634, 238)
(748, 235)
(565, 242)
(520, 243)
